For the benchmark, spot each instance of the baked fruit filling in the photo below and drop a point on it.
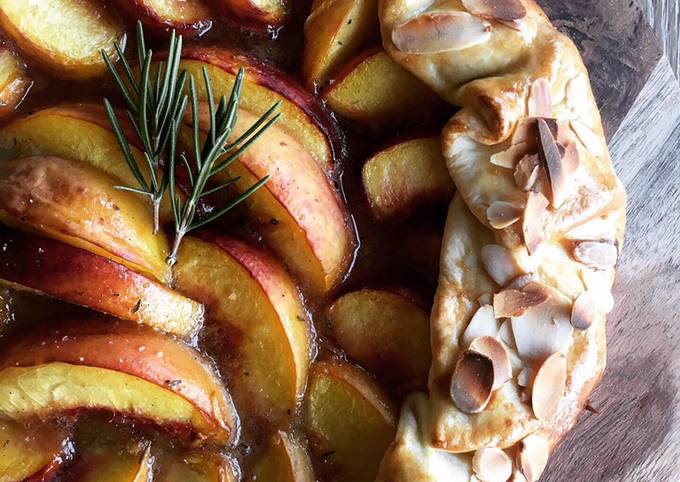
(339, 240)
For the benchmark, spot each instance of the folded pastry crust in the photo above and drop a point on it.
(535, 231)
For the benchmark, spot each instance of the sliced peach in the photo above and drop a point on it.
(80, 277)
(64, 36)
(189, 19)
(250, 299)
(334, 31)
(108, 453)
(386, 333)
(34, 453)
(297, 211)
(349, 420)
(197, 466)
(375, 90)
(284, 460)
(80, 132)
(14, 84)
(77, 204)
(301, 113)
(116, 367)
(403, 177)
(256, 13)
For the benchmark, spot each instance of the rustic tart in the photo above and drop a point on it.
(276, 241)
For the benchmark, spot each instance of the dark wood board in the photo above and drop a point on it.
(636, 434)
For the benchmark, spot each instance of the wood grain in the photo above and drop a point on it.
(636, 435)
(664, 17)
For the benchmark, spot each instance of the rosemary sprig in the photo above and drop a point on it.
(153, 105)
(212, 156)
(156, 108)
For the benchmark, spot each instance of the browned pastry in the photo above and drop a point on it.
(530, 246)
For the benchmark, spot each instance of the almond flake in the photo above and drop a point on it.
(509, 303)
(532, 222)
(525, 131)
(525, 378)
(584, 311)
(472, 382)
(540, 99)
(440, 32)
(502, 214)
(549, 386)
(526, 172)
(509, 157)
(552, 158)
(484, 299)
(564, 133)
(571, 158)
(544, 329)
(596, 254)
(505, 334)
(483, 323)
(588, 138)
(506, 10)
(577, 92)
(492, 464)
(499, 264)
(532, 456)
(521, 281)
(499, 356)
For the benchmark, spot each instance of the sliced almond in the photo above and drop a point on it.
(571, 158)
(509, 303)
(525, 131)
(492, 464)
(485, 299)
(588, 138)
(596, 254)
(540, 99)
(483, 323)
(544, 329)
(525, 377)
(472, 382)
(532, 222)
(506, 10)
(584, 311)
(564, 133)
(499, 264)
(577, 93)
(509, 157)
(549, 386)
(526, 172)
(552, 158)
(440, 32)
(532, 456)
(521, 281)
(499, 356)
(505, 334)
(502, 214)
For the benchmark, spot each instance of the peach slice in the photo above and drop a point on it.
(80, 277)
(60, 132)
(198, 466)
(190, 19)
(386, 333)
(375, 90)
(64, 36)
(301, 113)
(334, 31)
(115, 367)
(255, 307)
(256, 13)
(78, 205)
(30, 453)
(349, 420)
(406, 175)
(284, 460)
(297, 211)
(14, 84)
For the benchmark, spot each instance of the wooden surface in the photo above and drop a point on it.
(636, 434)
(664, 17)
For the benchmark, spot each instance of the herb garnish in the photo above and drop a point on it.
(156, 109)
